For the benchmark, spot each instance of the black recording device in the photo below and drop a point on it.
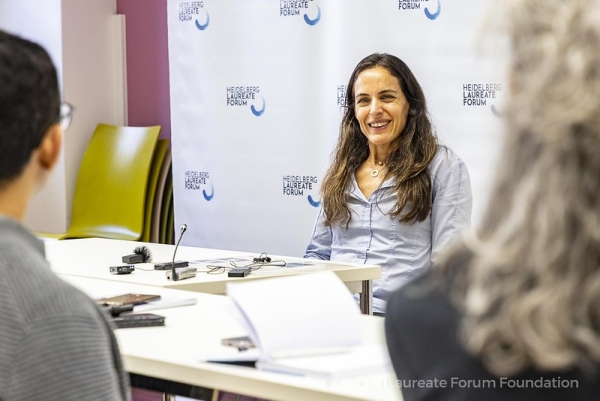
(128, 320)
(134, 258)
(180, 273)
(138, 320)
(124, 269)
(141, 254)
(169, 265)
(239, 272)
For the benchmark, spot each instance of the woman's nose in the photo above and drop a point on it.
(375, 107)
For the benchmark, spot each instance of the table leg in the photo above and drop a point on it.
(366, 297)
(170, 389)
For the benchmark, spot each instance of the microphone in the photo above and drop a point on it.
(141, 254)
(143, 250)
(181, 273)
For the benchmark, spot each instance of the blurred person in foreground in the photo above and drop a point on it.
(55, 343)
(513, 312)
(393, 196)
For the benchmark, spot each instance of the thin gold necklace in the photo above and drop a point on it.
(375, 172)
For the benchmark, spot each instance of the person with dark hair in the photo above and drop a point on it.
(513, 310)
(393, 195)
(55, 342)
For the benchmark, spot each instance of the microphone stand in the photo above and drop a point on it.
(173, 276)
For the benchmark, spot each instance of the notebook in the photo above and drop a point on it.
(307, 325)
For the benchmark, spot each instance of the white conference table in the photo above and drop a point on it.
(92, 257)
(176, 352)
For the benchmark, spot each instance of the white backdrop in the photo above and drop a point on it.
(255, 104)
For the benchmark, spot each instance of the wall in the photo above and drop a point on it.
(40, 21)
(85, 42)
(93, 76)
(148, 100)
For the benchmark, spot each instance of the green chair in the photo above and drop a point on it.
(167, 213)
(156, 180)
(110, 193)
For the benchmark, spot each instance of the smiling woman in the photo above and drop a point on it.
(393, 195)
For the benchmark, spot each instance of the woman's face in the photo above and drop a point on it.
(379, 105)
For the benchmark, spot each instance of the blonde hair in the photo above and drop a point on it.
(531, 294)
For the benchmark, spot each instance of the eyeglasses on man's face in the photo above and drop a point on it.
(65, 116)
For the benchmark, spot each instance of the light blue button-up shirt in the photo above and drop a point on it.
(402, 250)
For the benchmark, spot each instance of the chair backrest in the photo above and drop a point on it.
(167, 212)
(110, 193)
(161, 164)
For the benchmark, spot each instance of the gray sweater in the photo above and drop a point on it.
(55, 343)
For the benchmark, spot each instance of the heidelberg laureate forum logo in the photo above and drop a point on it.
(481, 94)
(431, 8)
(301, 185)
(200, 180)
(194, 11)
(341, 95)
(309, 9)
(244, 96)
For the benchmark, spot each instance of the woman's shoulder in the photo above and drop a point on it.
(446, 157)
(448, 165)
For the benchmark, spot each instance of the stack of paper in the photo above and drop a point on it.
(357, 361)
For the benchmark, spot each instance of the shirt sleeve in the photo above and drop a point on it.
(70, 358)
(452, 204)
(319, 246)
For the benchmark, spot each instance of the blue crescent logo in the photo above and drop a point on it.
(315, 21)
(313, 202)
(212, 193)
(203, 27)
(496, 112)
(260, 112)
(435, 14)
